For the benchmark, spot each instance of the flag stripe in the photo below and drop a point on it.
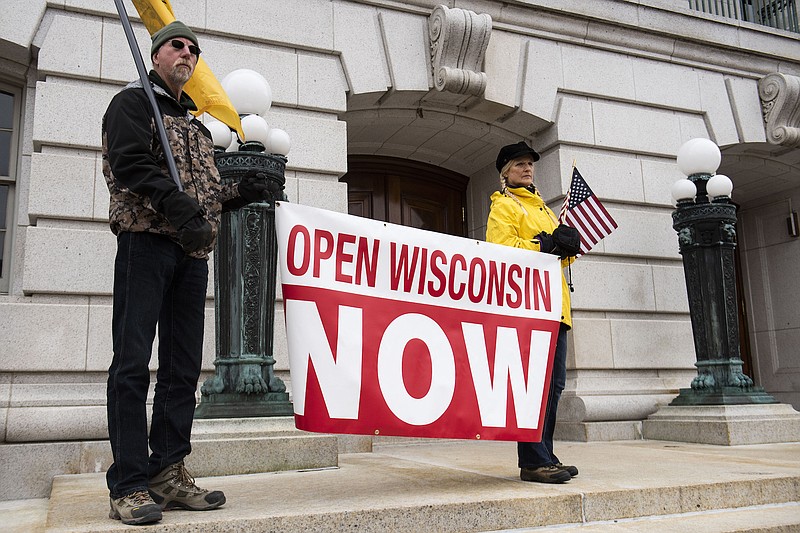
(583, 211)
(586, 245)
(585, 226)
(564, 207)
(598, 215)
(601, 214)
(588, 224)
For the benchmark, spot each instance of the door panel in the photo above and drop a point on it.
(407, 193)
(365, 196)
(423, 214)
(424, 205)
(360, 203)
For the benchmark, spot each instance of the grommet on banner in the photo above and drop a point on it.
(377, 432)
(478, 436)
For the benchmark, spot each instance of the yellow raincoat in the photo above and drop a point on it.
(516, 224)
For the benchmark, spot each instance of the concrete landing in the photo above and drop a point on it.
(446, 486)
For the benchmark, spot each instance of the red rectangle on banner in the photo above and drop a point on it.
(377, 366)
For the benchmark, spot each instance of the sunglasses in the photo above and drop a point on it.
(178, 45)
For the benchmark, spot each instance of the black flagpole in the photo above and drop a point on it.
(137, 58)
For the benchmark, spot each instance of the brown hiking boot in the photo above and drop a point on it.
(544, 474)
(174, 488)
(135, 508)
(573, 471)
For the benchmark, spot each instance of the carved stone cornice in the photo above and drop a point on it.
(458, 44)
(780, 103)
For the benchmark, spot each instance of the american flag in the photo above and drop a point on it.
(584, 212)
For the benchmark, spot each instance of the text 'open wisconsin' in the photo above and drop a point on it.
(399, 331)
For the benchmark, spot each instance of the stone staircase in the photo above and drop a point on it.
(219, 447)
(448, 486)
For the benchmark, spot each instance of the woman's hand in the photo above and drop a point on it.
(564, 242)
(568, 240)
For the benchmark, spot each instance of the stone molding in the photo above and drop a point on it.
(780, 104)
(459, 39)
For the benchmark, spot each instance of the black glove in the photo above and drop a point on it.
(546, 243)
(178, 208)
(276, 190)
(253, 187)
(567, 240)
(195, 235)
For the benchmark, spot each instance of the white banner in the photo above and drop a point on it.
(398, 331)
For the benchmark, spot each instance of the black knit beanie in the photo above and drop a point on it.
(170, 31)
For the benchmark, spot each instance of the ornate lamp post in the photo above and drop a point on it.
(705, 220)
(245, 265)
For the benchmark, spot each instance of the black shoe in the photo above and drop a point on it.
(573, 471)
(544, 474)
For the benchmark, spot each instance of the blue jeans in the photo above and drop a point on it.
(538, 454)
(155, 282)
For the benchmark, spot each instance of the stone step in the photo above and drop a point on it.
(474, 486)
(219, 447)
(781, 518)
(29, 516)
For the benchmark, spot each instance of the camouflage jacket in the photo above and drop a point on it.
(135, 169)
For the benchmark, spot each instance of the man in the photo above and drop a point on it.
(164, 236)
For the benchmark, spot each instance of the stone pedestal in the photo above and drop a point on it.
(223, 447)
(727, 425)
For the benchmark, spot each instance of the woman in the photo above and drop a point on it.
(520, 218)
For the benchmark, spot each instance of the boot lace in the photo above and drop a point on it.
(183, 478)
(141, 497)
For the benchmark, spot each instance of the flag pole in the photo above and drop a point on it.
(137, 59)
(561, 217)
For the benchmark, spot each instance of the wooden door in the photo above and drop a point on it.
(407, 193)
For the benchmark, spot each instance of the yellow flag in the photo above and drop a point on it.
(210, 97)
(202, 87)
(155, 14)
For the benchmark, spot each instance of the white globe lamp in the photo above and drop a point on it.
(220, 134)
(278, 142)
(255, 128)
(683, 190)
(249, 91)
(234, 143)
(719, 186)
(698, 156)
